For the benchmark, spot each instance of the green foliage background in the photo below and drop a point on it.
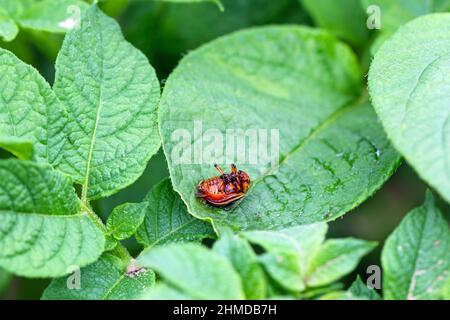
(165, 32)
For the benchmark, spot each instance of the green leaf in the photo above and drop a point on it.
(335, 259)
(410, 91)
(339, 295)
(8, 28)
(398, 12)
(111, 94)
(245, 262)
(362, 291)
(167, 220)
(217, 2)
(345, 18)
(43, 230)
(125, 219)
(289, 252)
(416, 256)
(333, 152)
(5, 278)
(19, 147)
(57, 16)
(162, 291)
(29, 110)
(198, 272)
(106, 279)
(15, 7)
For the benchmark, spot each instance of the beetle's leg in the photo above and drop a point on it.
(219, 169)
(233, 168)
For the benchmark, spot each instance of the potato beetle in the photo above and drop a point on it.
(224, 190)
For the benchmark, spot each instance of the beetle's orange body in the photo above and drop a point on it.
(223, 190)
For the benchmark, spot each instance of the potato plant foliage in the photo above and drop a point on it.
(92, 132)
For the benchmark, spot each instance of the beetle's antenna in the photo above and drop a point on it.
(218, 168)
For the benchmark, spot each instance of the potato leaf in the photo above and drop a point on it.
(345, 18)
(301, 82)
(194, 270)
(125, 220)
(410, 91)
(29, 110)
(416, 256)
(335, 259)
(238, 251)
(57, 16)
(111, 93)
(43, 230)
(8, 27)
(105, 279)
(362, 291)
(167, 220)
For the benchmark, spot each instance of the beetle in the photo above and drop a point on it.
(224, 190)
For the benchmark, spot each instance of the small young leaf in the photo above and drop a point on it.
(111, 94)
(416, 256)
(29, 109)
(333, 152)
(410, 90)
(362, 291)
(196, 271)
(43, 231)
(20, 147)
(125, 219)
(8, 28)
(167, 220)
(245, 262)
(345, 18)
(288, 252)
(335, 259)
(105, 279)
(284, 267)
(53, 15)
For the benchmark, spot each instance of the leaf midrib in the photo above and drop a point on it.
(85, 186)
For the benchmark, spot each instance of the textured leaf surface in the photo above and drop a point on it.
(42, 230)
(302, 82)
(289, 252)
(53, 15)
(196, 271)
(416, 256)
(238, 251)
(345, 18)
(28, 108)
(410, 91)
(106, 279)
(335, 259)
(8, 28)
(362, 291)
(125, 220)
(111, 93)
(20, 147)
(167, 220)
